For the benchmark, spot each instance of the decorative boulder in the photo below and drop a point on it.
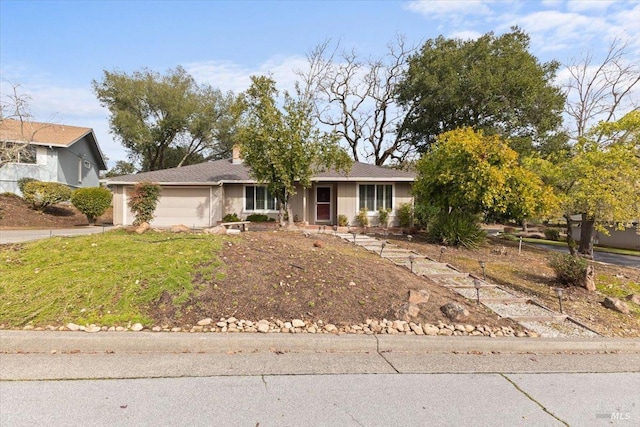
(180, 228)
(616, 305)
(218, 229)
(143, 228)
(454, 311)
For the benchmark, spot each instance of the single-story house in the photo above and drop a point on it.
(55, 153)
(201, 195)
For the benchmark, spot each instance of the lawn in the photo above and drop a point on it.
(105, 278)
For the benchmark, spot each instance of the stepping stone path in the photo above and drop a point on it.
(505, 303)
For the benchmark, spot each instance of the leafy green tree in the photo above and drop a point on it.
(153, 114)
(491, 84)
(282, 146)
(467, 171)
(121, 167)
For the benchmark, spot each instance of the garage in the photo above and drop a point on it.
(190, 206)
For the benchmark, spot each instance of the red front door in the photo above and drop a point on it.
(323, 204)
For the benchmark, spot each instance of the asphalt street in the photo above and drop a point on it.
(73, 378)
(609, 258)
(25, 235)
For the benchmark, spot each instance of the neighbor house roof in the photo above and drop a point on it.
(48, 134)
(225, 171)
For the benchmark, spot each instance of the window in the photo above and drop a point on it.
(26, 154)
(258, 198)
(376, 197)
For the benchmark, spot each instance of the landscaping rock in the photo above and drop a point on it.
(318, 244)
(136, 327)
(634, 298)
(430, 330)
(454, 311)
(616, 305)
(419, 296)
(218, 229)
(73, 327)
(408, 312)
(590, 279)
(142, 228)
(205, 322)
(297, 323)
(180, 228)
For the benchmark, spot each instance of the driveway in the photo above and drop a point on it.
(617, 259)
(18, 236)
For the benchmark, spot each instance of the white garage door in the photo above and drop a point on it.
(183, 205)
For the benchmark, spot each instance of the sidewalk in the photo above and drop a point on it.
(26, 235)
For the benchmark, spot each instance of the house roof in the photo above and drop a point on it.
(47, 134)
(224, 171)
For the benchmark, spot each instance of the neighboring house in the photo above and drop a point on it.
(629, 238)
(201, 195)
(56, 153)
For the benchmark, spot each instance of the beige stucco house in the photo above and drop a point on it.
(201, 195)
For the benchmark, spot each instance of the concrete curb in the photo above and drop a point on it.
(158, 342)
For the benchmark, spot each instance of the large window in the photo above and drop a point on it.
(26, 154)
(258, 198)
(376, 197)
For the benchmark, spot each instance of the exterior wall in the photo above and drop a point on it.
(348, 201)
(117, 203)
(622, 239)
(77, 166)
(45, 169)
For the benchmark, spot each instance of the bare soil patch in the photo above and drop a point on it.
(283, 275)
(15, 213)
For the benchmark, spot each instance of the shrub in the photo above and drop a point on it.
(256, 218)
(143, 201)
(91, 201)
(405, 215)
(424, 214)
(457, 229)
(343, 221)
(362, 218)
(552, 234)
(570, 270)
(232, 217)
(383, 217)
(42, 194)
(23, 181)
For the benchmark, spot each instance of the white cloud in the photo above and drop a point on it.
(466, 35)
(589, 6)
(440, 8)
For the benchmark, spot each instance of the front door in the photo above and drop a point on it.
(323, 204)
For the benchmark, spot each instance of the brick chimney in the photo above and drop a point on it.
(236, 159)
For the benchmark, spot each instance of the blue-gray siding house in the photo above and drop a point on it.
(57, 153)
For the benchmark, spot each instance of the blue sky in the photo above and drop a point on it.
(54, 49)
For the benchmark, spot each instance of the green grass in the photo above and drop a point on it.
(106, 279)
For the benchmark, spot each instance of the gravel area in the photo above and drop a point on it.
(517, 309)
(486, 292)
(566, 328)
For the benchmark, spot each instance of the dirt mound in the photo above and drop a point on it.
(15, 213)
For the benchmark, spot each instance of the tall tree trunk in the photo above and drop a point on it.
(586, 237)
(525, 225)
(570, 242)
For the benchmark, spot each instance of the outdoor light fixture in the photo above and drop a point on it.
(559, 294)
(335, 230)
(477, 284)
(409, 237)
(442, 251)
(382, 245)
(411, 260)
(483, 265)
(354, 236)
(319, 228)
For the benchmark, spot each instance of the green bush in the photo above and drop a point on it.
(552, 234)
(91, 201)
(232, 217)
(42, 194)
(343, 221)
(457, 229)
(256, 218)
(362, 218)
(143, 201)
(23, 181)
(570, 270)
(424, 214)
(383, 217)
(405, 215)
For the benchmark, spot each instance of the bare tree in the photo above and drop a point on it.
(15, 140)
(601, 91)
(355, 97)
